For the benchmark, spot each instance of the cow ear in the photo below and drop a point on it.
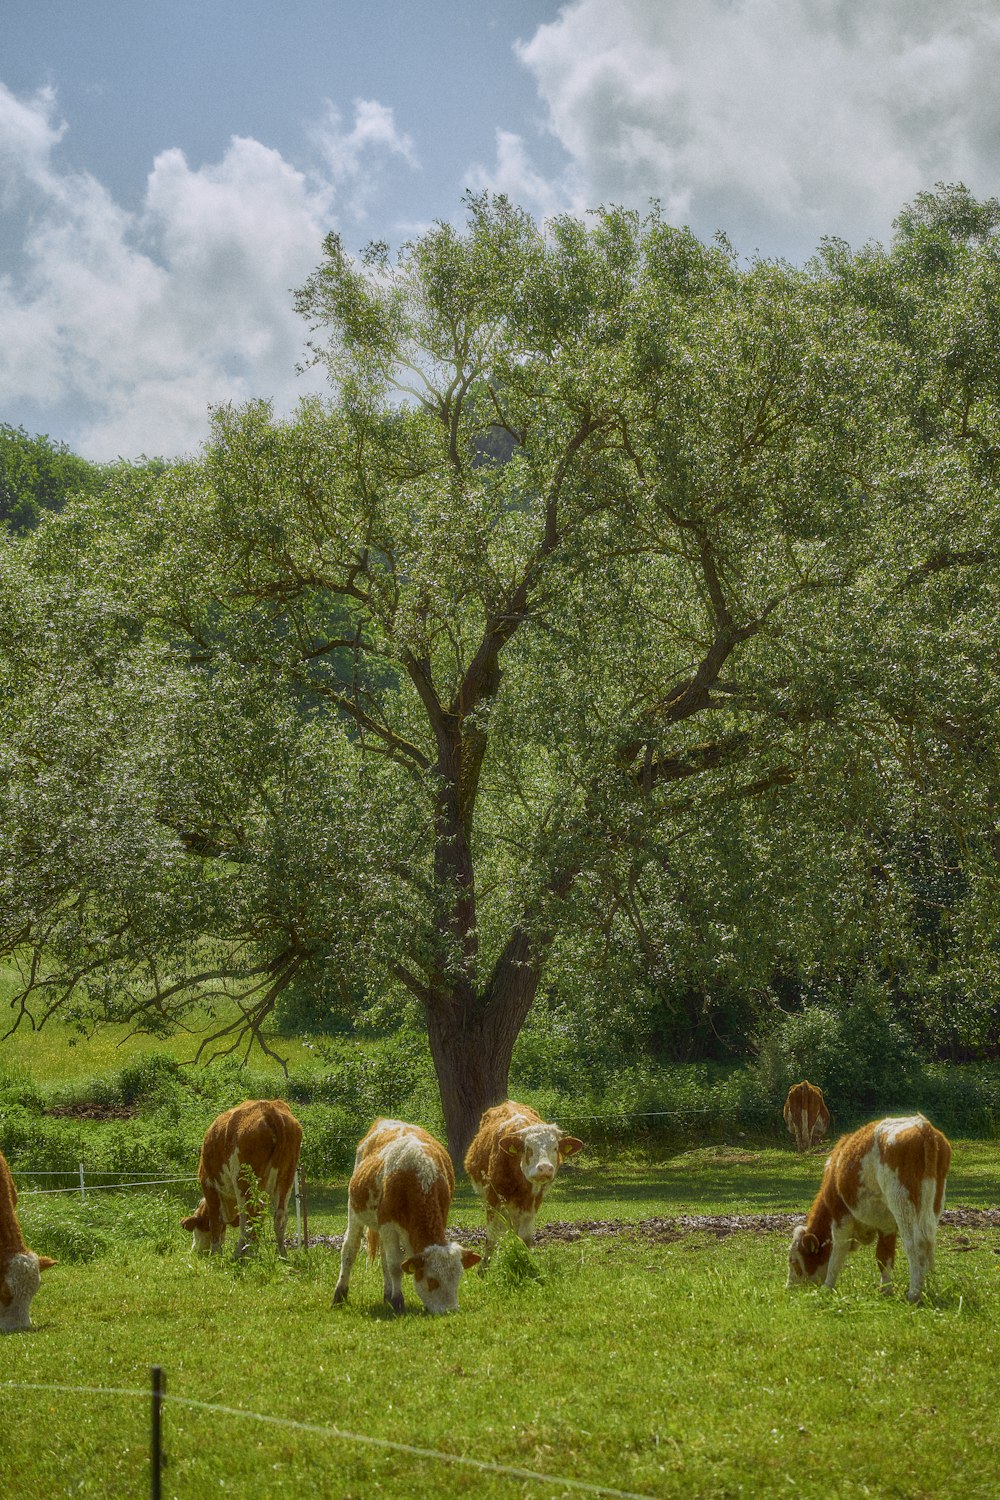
(413, 1265)
(45, 1262)
(191, 1222)
(569, 1145)
(810, 1243)
(511, 1143)
(470, 1259)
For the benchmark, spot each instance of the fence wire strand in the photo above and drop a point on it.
(481, 1465)
(97, 1187)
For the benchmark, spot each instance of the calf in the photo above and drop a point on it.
(400, 1192)
(806, 1115)
(513, 1158)
(20, 1268)
(257, 1142)
(886, 1178)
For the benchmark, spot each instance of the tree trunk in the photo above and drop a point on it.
(472, 1074)
(472, 1041)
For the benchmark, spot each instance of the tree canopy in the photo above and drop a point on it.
(625, 598)
(38, 475)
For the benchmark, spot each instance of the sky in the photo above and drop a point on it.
(168, 172)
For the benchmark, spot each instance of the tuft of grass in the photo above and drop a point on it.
(513, 1267)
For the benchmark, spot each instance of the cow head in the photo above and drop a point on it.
(436, 1273)
(201, 1228)
(542, 1149)
(807, 1257)
(19, 1281)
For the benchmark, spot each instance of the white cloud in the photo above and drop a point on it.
(514, 174)
(136, 322)
(347, 153)
(776, 120)
(28, 133)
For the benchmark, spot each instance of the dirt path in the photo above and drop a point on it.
(663, 1230)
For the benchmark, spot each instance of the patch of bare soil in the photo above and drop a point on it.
(663, 1231)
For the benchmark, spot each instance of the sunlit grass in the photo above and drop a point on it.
(669, 1370)
(60, 1052)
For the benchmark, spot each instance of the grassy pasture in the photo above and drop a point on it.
(678, 1368)
(671, 1369)
(667, 1370)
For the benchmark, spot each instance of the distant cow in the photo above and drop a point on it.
(20, 1268)
(513, 1158)
(806, 1115)
(887, 1177)
(400, 1192)
(248, 1151)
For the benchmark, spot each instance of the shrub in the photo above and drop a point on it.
(859, 1055)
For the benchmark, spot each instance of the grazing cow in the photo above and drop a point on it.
(806, 1115)
(256, 1143)
(513, 1158)
(886, 1178)
(400, 1191)
(20, 1268)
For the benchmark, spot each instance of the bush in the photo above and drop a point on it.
(860, 1056)
(150, 1079)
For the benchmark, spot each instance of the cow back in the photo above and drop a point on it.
(403, 1175)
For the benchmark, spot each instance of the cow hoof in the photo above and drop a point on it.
(396, 1303)
(339, 1296)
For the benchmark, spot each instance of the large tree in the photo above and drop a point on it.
(606, 543)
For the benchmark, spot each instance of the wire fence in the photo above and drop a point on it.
(88, 1185)
(84, 1183)
(160, 1398)
(86, 1178)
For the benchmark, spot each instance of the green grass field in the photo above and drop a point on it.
(670, 1369)
(611, 1363)
(679, 1369)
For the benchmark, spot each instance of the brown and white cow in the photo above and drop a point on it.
(248, 1151)
(806, 1115)
(886, 1178)
(20, 1268)
(400, 1192)
(513, 1158)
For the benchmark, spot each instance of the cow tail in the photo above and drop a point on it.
(374, 1245)
(934, 1168)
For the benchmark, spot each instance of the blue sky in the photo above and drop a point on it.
(167, 173)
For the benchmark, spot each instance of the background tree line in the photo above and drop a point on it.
(619, 641)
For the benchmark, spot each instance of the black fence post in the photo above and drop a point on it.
(159, 1391)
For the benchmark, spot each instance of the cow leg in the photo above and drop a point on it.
(918, 1242)
(841, 1243)
(918, 1231)
(392, 1267)
(248, 1202)
(494, 1229)
(216, 1218)
(885, 1255)
(348, 1255)
(279, 1208)
(524, 1225)
(802, 1132)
